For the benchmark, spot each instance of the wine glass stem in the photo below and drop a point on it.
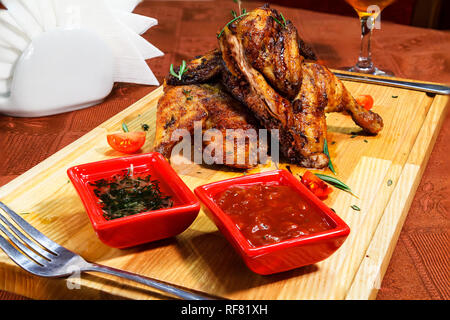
(365, 55)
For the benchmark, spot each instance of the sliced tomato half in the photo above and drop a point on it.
(366, 101)
(126, 142)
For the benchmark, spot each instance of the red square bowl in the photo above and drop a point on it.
(284, 255)
(142, 227)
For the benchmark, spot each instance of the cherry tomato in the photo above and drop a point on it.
(316, 185)
(366, 101)
(126, 142)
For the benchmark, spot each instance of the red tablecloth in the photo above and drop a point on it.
(419, 266)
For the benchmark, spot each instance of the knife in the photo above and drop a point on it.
(420, 86)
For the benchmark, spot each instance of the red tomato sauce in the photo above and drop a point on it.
(267, 214)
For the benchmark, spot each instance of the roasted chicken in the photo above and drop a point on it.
(181, 107)
(263, 64)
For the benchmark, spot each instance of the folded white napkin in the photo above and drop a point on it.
(138, 23)
(111, 19)
(23, 17)
(10, 32)
(8, 54)
(4, 87)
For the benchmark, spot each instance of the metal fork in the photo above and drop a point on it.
(49, 259)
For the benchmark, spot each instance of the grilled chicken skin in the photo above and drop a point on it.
(271, 108)
(181, 106)
(303, 128)
(258, 50)
(201, 69)
(271, 49)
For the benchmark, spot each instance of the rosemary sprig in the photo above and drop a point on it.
(283, 24)
(284, 20)
(335, 182)
(180, 71)
(238, 17)
(234, 13)
(327, 153)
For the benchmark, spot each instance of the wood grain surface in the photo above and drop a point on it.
(419, 265)
(200, 258)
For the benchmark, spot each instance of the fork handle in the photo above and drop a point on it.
(147, 281)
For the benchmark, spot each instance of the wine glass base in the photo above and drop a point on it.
(372, 71)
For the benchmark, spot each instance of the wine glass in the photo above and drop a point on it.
(368, 12)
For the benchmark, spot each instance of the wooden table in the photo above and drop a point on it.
(419, 265)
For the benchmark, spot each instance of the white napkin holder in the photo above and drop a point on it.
(62, 55)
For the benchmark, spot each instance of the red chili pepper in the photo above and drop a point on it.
(316, 185)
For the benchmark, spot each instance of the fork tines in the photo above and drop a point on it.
(16, 243)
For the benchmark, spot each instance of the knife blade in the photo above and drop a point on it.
(426, 87)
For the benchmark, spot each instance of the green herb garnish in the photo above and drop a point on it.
(145, 127)
(389, 182)
(187, 93)
(124, 195)
(238, 17)
(284, 20)
(181, 70)
(234, 13)
(356, 208)
(395, 97)
(335, 182)
(283, 24)
(366, 141)
(125, 127)
(327, 153)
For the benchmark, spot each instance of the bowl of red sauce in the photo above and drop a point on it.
(273, 221)
(135, 199)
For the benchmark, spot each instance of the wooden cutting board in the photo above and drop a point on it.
(383, 171)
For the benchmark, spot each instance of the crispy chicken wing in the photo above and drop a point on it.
(179, 108)
(271, 49)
